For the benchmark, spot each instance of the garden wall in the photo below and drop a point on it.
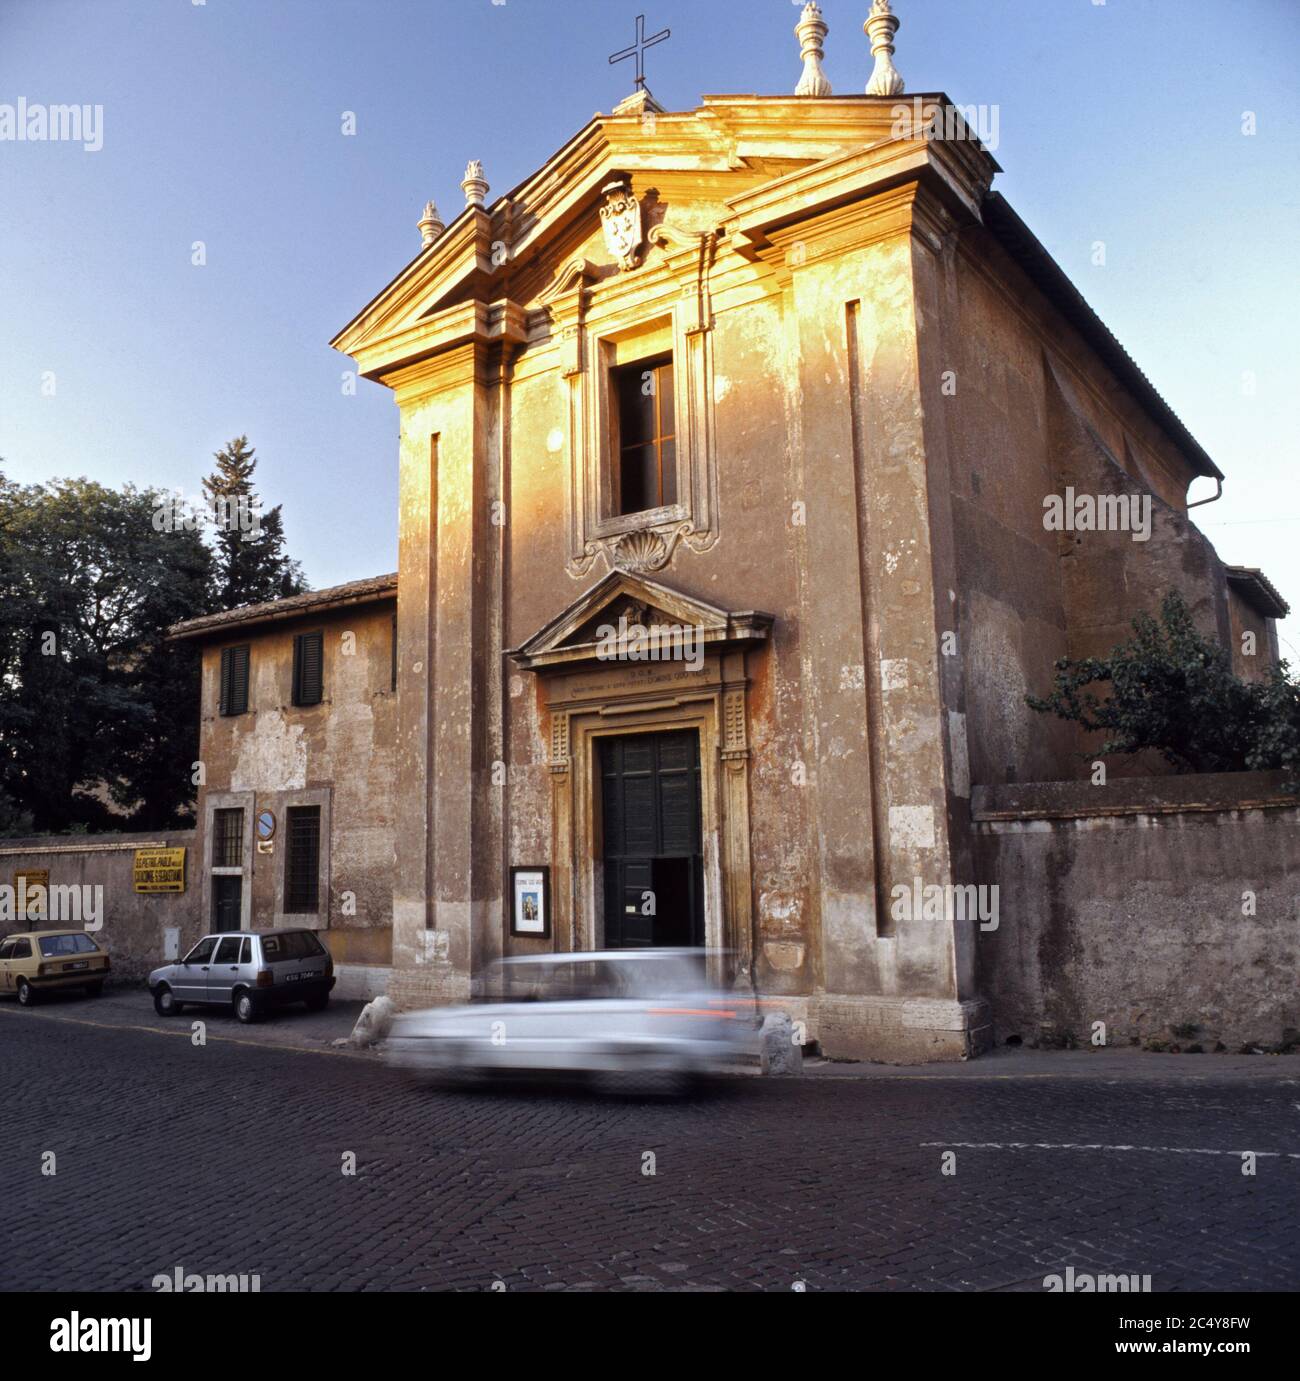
(1168, 908)
(135, 924)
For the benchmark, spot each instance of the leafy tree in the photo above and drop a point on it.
(251, 565)
(1173, 690)
(96, 709)
(13, 820)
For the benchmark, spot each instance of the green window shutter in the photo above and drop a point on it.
(234, 680)
(308, 668)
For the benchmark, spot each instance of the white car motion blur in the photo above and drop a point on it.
(646, 1012)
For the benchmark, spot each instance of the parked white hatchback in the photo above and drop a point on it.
(250, 971)
(649, 1012)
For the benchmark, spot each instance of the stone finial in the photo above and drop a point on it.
(431, 225)
(475, 184)
(880, 28)
(811, 30)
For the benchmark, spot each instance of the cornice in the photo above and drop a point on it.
(846, 181)
(483, 323)
(464, 248)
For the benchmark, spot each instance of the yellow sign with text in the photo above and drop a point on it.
(160, 870)
(31, 893)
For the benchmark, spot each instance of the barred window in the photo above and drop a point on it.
(302, 860)
(234, 680)
(228, 838)
(308, 668)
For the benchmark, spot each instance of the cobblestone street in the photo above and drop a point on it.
(228, 1159)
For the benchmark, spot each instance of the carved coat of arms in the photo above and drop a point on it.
(620, 218)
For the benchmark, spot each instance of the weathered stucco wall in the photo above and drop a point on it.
(817, 428)
(1167, 908)
(1033, 412)
(345, 747)
(133, 922)
(1252, 655)
(755, 564)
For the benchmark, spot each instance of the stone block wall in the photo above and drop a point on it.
(1167, 908)
(134, 923)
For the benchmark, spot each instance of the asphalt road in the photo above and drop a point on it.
(229, 1158)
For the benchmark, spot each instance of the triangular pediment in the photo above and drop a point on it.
(625, 617)
(494, 264)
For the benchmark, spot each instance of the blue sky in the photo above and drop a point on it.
(1120, 122)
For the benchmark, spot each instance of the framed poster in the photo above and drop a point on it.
(530, 902)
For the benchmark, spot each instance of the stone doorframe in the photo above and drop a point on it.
(214, 801)
(655, 698)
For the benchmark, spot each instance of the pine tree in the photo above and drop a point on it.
(250, 562)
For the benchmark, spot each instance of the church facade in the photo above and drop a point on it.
(729, 444)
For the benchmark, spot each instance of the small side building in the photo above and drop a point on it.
(296, 800)
(1254, 607)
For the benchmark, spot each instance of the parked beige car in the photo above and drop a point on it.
(40, 961)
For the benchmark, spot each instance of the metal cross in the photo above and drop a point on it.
(637, 50)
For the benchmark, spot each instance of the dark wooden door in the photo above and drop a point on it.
(654, 862)
(226, 902)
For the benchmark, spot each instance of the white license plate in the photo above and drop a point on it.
(80, 964)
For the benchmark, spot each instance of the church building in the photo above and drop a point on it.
(731, 441)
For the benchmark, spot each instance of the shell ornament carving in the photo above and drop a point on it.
(641, 551)
(646, 549)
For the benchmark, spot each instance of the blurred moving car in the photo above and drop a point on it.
(43, 960)
(250, 971)
(642, 1013)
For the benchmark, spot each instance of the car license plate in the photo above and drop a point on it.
(80, 964)
(295, 977)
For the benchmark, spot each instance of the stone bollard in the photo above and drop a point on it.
(778, 1054)
(374, 1023)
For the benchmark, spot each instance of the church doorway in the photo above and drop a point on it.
(653, 855)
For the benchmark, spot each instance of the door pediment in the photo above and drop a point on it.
(623, 615)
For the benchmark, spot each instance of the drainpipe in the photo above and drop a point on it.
(1218, 494)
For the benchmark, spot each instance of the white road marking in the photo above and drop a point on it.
(1096, 1146)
